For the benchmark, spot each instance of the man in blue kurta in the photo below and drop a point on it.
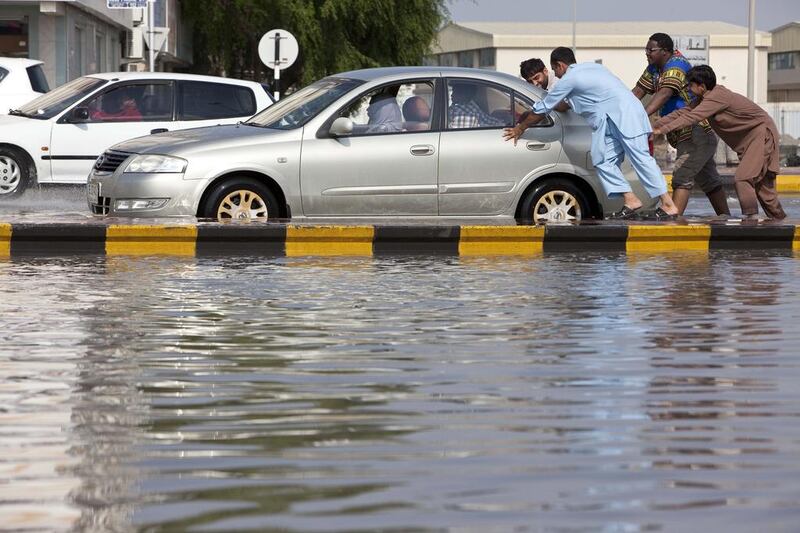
(619, 124)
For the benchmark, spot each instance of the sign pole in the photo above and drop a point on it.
(277, 49)
(151, 30)
(277, 66)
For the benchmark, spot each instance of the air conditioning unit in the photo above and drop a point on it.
(134, 44)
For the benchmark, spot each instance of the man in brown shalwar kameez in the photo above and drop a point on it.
(746, 128)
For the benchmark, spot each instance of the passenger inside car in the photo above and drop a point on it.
(384, 111)
(115, 105)
(417, 113)
(465, 112)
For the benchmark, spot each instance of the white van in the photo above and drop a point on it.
(57, 137)
(21, 80)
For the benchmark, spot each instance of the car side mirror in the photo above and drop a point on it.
(341, 127)
(79, 114)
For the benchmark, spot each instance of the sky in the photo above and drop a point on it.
(769, 13)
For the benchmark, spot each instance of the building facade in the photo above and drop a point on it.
(78, 37)
(618, 45)
(784, 64)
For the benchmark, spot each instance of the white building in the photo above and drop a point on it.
(619, 46)
(77, 37)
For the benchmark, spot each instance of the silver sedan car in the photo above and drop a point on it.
(386, 142)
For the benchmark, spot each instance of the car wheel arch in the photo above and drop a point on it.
(26, 154)
(267, 181)
(27, 171)
(580, 183)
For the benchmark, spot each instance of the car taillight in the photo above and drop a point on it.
(650, 146)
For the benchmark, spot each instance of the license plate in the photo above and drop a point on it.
(94, 191)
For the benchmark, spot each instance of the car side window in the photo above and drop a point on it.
(476, 105)
(523, 106)
(201, 100)
(37, 78)
(397, 108)
(133, 103)
(3, 73)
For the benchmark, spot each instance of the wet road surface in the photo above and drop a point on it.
(590, 392)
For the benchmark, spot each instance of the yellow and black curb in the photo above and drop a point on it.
(26, 239)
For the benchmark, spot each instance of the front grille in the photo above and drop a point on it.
(110, 160)
(103, 205)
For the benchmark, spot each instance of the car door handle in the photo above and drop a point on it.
(158, 130)
(537, 146)
(422, 149)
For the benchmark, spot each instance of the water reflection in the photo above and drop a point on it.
(574, 392)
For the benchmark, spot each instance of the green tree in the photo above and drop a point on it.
(334, 35)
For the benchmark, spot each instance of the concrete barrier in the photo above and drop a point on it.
(293, 240)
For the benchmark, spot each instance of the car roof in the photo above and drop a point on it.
(390, 73)
(113, 76)
(19, 62)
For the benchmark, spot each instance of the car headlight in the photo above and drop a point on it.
(156, 164)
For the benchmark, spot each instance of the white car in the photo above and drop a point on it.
(57, 137)
(21, 80)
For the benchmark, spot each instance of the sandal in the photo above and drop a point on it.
(660, 214)
(626, 213)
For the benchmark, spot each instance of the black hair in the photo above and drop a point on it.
(562, 54)
(663, 41)
(531, 66)
(702, 75)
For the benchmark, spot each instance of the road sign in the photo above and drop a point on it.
(158, 36)
(278, 49)
(693, 47)
(126, 4)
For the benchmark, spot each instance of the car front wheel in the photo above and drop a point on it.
(14, 173)
(240, 199)
(555, 200)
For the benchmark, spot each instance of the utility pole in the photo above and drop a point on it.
(574, 23)
(751, 50)
(151, 30)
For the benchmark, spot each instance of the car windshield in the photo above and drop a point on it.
(51, 104)
(297, 109)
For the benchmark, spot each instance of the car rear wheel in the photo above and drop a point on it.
(555, 200)
(15, 173)
(240, 199)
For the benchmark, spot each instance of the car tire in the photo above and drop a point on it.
(555, 200)
(15, 173)
(240, 199)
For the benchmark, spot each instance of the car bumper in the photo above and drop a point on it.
(108, 193)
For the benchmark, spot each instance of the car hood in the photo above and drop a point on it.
(185, 142)
(13, 121)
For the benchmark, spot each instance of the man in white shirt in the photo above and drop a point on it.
(620, 128)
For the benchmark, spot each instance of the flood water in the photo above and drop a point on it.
(555, 393)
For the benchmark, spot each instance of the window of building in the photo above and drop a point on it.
(14, 37)
(784, 61)
(76, 66)
(466, 59)
(487, 57)
(99, 52)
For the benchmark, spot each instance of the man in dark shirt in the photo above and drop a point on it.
(665, 79)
